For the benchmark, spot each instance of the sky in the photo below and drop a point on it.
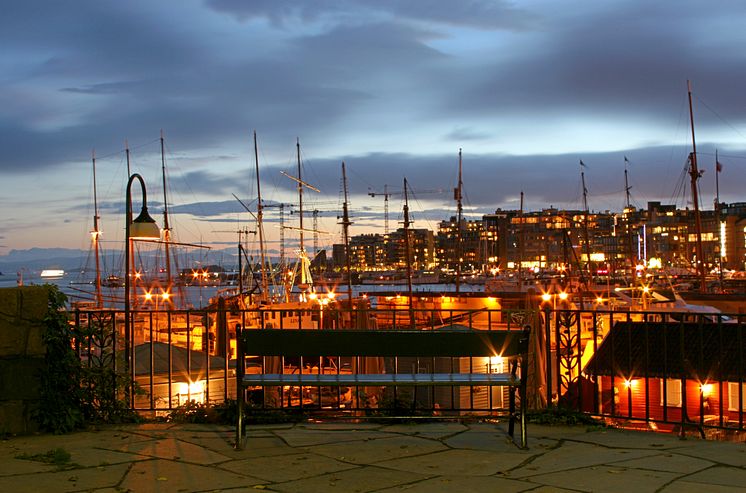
(526, 89)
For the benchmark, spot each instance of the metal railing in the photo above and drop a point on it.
(580, 360)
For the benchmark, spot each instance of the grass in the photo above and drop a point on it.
(58, 457)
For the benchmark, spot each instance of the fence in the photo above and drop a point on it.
(657, 370)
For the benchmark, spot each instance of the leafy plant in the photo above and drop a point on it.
(560, 416)
(60, 406)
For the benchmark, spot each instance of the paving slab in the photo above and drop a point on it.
(66, 480)
(732, 454)
(614, 438)
(463, 484)
(457, 462)
(607, 479)
(283, 468)
(495, 440)
(173, 449)
(358, 480)
(299, 437)
(430, 430)
(682, 486)
(159, 475)
(573, 455)
(380, 449)
(719, 475)
(667, 461)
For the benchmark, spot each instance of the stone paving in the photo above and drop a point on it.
(367, 457)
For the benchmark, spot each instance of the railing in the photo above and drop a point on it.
(577, 362)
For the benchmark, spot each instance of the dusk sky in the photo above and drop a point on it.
(394, 88)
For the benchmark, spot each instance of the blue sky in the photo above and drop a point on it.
(394, 89)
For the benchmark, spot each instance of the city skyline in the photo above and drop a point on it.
(527, 90)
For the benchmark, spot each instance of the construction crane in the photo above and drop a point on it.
(386, 194)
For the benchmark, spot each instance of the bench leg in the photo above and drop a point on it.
(239, 419)
(511, 412)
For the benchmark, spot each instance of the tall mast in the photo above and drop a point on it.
(166, 227)
(346, 229)
(131, 268)
(408, 257)
(626, 182)
(585, 220)
(260, 224)
(459, 239)
(521, 245)
(718, 168)
(95, 237)
(695, 175)
(300, 197)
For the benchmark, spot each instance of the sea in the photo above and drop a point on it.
(199, 296)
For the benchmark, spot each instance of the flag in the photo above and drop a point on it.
(625, 159)
(582, 163)
(718, 166)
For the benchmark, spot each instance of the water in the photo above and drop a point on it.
(199, 296)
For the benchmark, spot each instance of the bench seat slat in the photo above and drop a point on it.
(384, 379)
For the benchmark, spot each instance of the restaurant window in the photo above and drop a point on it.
(733, 396)
(672, 393)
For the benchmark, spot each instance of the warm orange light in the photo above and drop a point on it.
(312, 296)
(599, 300)
(138, 275)
(331, 295)
(546, 297)
(148, 296)
(706, 389)
(195, 274)
(563, 296)
(629, 384)
(165, 295)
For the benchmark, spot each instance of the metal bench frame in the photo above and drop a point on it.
(512, 345)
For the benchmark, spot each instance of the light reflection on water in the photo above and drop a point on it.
(199, 296)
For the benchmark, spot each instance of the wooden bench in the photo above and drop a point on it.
(511, 345)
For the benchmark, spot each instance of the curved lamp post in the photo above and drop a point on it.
(142, 227)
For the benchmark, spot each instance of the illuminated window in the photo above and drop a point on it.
(733, 396)
(673, 393)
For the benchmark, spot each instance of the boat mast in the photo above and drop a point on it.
(166, 227)
(521, 246)
(459, 239)
(407, 254)
(695, 175)
(131, 244)
(300, 200)
(260, 224)
(95, 236)
(346, 229)
(718, 168)
(585, 220)
(632, 260)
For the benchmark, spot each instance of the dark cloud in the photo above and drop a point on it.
(482, 14)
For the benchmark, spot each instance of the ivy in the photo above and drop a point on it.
(60, 406)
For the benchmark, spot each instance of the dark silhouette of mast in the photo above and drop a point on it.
(459, 218)
(695, 175)
(586, 213)
(166, 227)
(346, 229)
(260, 224)
(408, 256)
(718, 169)
(95, 236)
(632, 260)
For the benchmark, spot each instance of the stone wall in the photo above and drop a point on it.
(22, 312)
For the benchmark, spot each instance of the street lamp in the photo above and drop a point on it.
(142, 227)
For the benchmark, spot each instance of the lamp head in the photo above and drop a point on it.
(143, 227)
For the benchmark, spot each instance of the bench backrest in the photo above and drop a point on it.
(430, 343)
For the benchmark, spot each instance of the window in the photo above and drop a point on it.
(733, 396)
(673, 393)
